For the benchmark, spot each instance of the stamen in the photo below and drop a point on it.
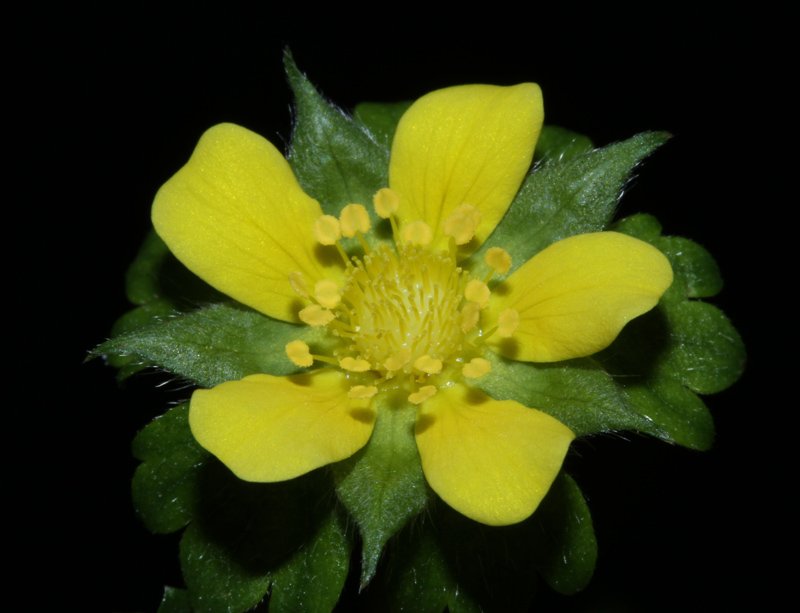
(353, 219)
(498, 259)
(476, 367)
(298, 352)
(508, 322)
(327, 230)
(326, 292)
(298, 283)
(422, 394)
(315, 315)
(362, 392)
(386, 202)
(470, 314)
(355, 364)
(398, 360)
(417, 233)
(462, 223)
(478, 292)
(428, 365)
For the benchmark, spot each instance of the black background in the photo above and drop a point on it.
(110, 105)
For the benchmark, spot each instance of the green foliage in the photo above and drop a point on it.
(381, 119)
(175, 601)
(382, 486)
(558, 145)
(576, 194)
(335, 159)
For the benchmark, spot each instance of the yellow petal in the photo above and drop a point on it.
(267, 428)
(470, 144)
(490, 460)
(574, 297)
(236, 216)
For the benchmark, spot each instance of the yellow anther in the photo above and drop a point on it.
(327, 230)
(476, 367)
(428, 365)
(478, 292)
(398, 360)
(298, 283)
(386, 202)
(354, 364)
(417, 233)
(315, 315)
(299, 353)
(508, 322)
(498, 260)
(326, 292)
(462, 223)
(362, 392)
(354, 218)
(469, 316)
(422, 394)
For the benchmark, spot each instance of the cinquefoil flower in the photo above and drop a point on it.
(402, 316)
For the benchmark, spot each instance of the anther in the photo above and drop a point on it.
(476, 367)
(498, 259)
(326, 292)
(422, 394)
(417, 233)
(353, 219)
(327, 230)
(508, 322)
(299, 353)
(386, 202)
(470, 314)
(428, 365)
(315, 315)
(462, 223)
(362, 392)
(298, 283)
(477, 292)
(354, 364)
(398, 360)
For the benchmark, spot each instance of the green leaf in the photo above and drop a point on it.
(558, 145)
(165, 485)
(245, 536)
(325, 560)
(381, 119)
(382, 486)
(696, 270)
(336, 161)
(568, 197)
(579, 393)
(222, 342)
(175, 600)
(566, 548)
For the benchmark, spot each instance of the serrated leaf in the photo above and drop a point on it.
(382, 486)
(334, 159)
(222, 342)
(313, 578)
(579, 393)
(165, 485)
(573, 196)
(696, 270)
(566, 549)
(558, 145)
(244, 534)
(175, 600)
(381, 119)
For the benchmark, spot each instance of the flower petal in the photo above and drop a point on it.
(267, 428)
(471, 144)
(575, 296)
(236, 216)
(490, 460)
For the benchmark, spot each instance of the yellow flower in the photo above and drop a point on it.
(405, 319)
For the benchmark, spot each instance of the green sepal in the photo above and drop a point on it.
(175, 600)
(571, 196)
(382, 486)
(557, 145)
(165, 485)
(335, 160)
(247, 537)
(381, 119)
(221, 342)
(446, 560)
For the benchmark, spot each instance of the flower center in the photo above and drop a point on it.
(408, 316)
